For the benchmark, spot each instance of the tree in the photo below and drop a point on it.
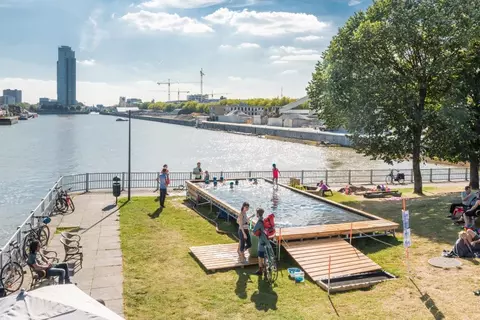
(386, 72)
(461, 115)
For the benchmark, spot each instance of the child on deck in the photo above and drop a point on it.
(276, 173)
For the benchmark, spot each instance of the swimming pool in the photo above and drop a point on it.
(292, 209)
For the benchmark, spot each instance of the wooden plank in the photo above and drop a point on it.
(345, 273)
(222, 256)
(313, 258)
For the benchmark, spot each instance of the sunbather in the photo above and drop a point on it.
(467, 197)
(470, 214)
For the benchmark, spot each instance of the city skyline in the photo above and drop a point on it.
(249, 48)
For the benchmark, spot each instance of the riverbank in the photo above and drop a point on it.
(61, 112)
(8, 121)
(296, 134)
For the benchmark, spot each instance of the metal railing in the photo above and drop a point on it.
(86, 182)
(44, 208)
(94, 181)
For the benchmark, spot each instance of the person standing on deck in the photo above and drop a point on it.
(243, 233)
(162, 179)
(197, 171)
(276, 173)
(259, 231)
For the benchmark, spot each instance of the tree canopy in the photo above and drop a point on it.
(387, 73)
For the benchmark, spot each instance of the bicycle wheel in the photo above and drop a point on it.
(11, 276)
(47, 231)
(389, 179)
(401, 181)
(42, 236)
(61, 205)
(271, 270)
(29, 238)
(71, 204)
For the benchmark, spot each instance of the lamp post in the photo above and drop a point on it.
(129, 151)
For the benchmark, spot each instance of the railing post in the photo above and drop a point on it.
(221, 174)
(326, 176)
(349, 177)
(86, 182)
(19, 236)
(371, 176)
(123, 179)
(449, 173)
(466, 174)
(411, 175)
(302, 178)
(42, 207)
(431, 175)
(249, 174)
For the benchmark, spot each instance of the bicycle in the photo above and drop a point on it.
(40, 233)
(271, 269)
(391, 178)
(12, 274)
(64, 202)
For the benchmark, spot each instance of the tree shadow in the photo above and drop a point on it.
(264, 297)
(372, 245)
(427, 215)
(156, 214)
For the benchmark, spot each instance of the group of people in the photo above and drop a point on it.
(245, 241)
(466, 211)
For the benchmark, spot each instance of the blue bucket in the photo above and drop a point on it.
(292, 271)
(46, 220)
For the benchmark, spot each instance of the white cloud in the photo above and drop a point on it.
(352, 3)
(274, 57)
(244, 45)
(308, 38)
(232, 78)
(248, 45)
(181, 4)
(279, 62)
(293, 50)
(301, 57)
(112, 15)
(289, 72)
(88, 63)
(92, 34)
(271, 23)
(161, 21)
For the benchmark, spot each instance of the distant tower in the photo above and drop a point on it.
(66, 76)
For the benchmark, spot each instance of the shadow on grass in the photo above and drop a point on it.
(241, 284)
(427, 215)
(156, 214)
(429, 303)
(264, 298)
(372, 245)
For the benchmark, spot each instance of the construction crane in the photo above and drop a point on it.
(202, 74)
(169, 83)
(178, 97)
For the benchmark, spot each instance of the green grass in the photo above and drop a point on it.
(59, 230)
(162, 280)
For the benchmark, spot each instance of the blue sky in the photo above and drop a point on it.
(247, 48)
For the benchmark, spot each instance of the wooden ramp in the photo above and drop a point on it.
(313, 255)
(221, 256)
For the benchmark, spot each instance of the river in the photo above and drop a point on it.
(35, 153)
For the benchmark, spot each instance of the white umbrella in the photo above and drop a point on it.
(62, 302)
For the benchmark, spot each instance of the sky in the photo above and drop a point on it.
(247, 48)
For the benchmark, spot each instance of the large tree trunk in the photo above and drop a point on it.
(417, 173)
(474, 164)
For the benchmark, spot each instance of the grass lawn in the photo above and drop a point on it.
(163, 281)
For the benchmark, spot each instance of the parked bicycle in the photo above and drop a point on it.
(392, 178)
(40, 233)
(11, 275)
(63, 202)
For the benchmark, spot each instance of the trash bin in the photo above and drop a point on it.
(254, 248)
(116, 188)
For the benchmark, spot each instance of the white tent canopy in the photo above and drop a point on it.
(62, 302)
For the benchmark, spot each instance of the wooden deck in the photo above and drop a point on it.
(329, 230)
(313, 256)
(221, 256)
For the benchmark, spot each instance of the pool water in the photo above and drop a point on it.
(292, 209)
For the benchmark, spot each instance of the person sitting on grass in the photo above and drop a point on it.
(467, 197)
(470, 214)
(259, 231)
(322, 187)
(41, 265)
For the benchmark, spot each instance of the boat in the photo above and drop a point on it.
(94, 112)
(23, 117)
(121, 119)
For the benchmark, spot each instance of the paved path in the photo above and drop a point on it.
(101, 275)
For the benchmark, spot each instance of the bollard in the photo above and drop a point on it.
(329, 267)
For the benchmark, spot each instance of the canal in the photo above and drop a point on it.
(35, 153)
